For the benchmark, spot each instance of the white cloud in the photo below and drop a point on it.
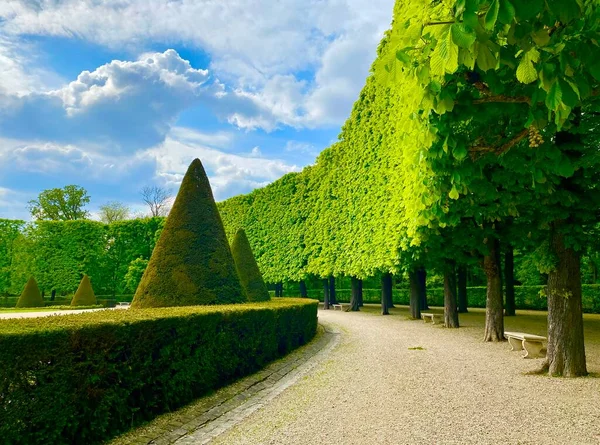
(229, 174)
(258, 47)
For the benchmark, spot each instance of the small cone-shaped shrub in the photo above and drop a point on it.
(250, 276)
(31, 295)
(85, 294)
(192, 262)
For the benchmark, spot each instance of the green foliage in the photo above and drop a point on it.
(85, 378)
(85, 294)
(134, 273)
(31, 295)
(252, 281)
(192, 262)
(113, 212)
(60, 204)
(10, 230)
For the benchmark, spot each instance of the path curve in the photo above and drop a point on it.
(374, 389)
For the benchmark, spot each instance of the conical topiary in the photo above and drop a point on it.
(192, 262)
(250, 276)
(31, 295)
(85, 294)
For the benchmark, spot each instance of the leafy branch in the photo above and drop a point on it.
(498, 150)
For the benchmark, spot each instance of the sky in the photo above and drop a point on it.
(116, 95)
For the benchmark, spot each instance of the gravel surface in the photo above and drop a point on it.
(32, 314)
(374, 389)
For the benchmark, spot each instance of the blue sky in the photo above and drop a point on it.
(115, 95)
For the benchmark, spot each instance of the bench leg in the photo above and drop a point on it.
(425, 319)
(532, 349)
(515, 345)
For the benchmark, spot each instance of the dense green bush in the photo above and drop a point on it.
(84, 296)
(192, 261)
(250, 276)
(31, 295)
(84, 378)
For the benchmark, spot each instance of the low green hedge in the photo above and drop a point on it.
(526, 297)
(87, 377)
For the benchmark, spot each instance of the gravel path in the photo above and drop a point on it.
(36, 314)
(374, 389)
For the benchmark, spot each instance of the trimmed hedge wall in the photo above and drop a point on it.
(526, 297)
(85, 378)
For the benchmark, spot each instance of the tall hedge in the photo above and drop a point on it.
(250, 276)
(81, 379)
(192, 262)
(84, 296)
(31, 295)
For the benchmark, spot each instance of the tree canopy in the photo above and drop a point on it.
(60, 204)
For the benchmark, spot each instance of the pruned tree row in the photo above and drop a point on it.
(476, 133)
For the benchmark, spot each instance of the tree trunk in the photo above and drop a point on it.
(302, 286)
(332, 298)
(463, 301)
(422, 278)
(356, 293)
(494, 311)
(360, 294)
(53, 295)
(280, 289)
(415, 294)
(390, 294)
(450, 309)
(325, 293)
(386, 292)
(566, 350)
(509, 280)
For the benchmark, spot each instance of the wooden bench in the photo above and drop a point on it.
(433, 317)
(339, 305)
(533, 344)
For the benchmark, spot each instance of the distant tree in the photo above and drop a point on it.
(114, 211)
(157, 198)
(60, 204)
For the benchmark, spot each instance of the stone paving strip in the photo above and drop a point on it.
(212, 415)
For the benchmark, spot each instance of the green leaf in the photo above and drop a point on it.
(526, 72)
(566, 10)
(402, 57)
(492, 15)
(541, 37)
(528, 9)
(570, 97)
(460, 152)
(595, 70)
(486, 60)
(453, 193)
(565, 168)
(506, 12)
(554, 97)
(463, 35)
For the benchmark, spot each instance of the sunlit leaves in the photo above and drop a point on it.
(492, 15)
(463, 35)
(526, 71)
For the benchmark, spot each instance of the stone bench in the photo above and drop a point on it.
(433, 317)
(533, 344)
(339, 305)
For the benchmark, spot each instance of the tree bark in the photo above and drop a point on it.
(302, 286)
(463, 301)
(494, 311)
(509, 281)
(280, 289)
(566, 350)
(356, 293)
(390, 294)
(415, 294)
(450, 309)
(422, 278)
(386, 292)
(325, 293)
(360, 294)
(332, 298)
(53, 295)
